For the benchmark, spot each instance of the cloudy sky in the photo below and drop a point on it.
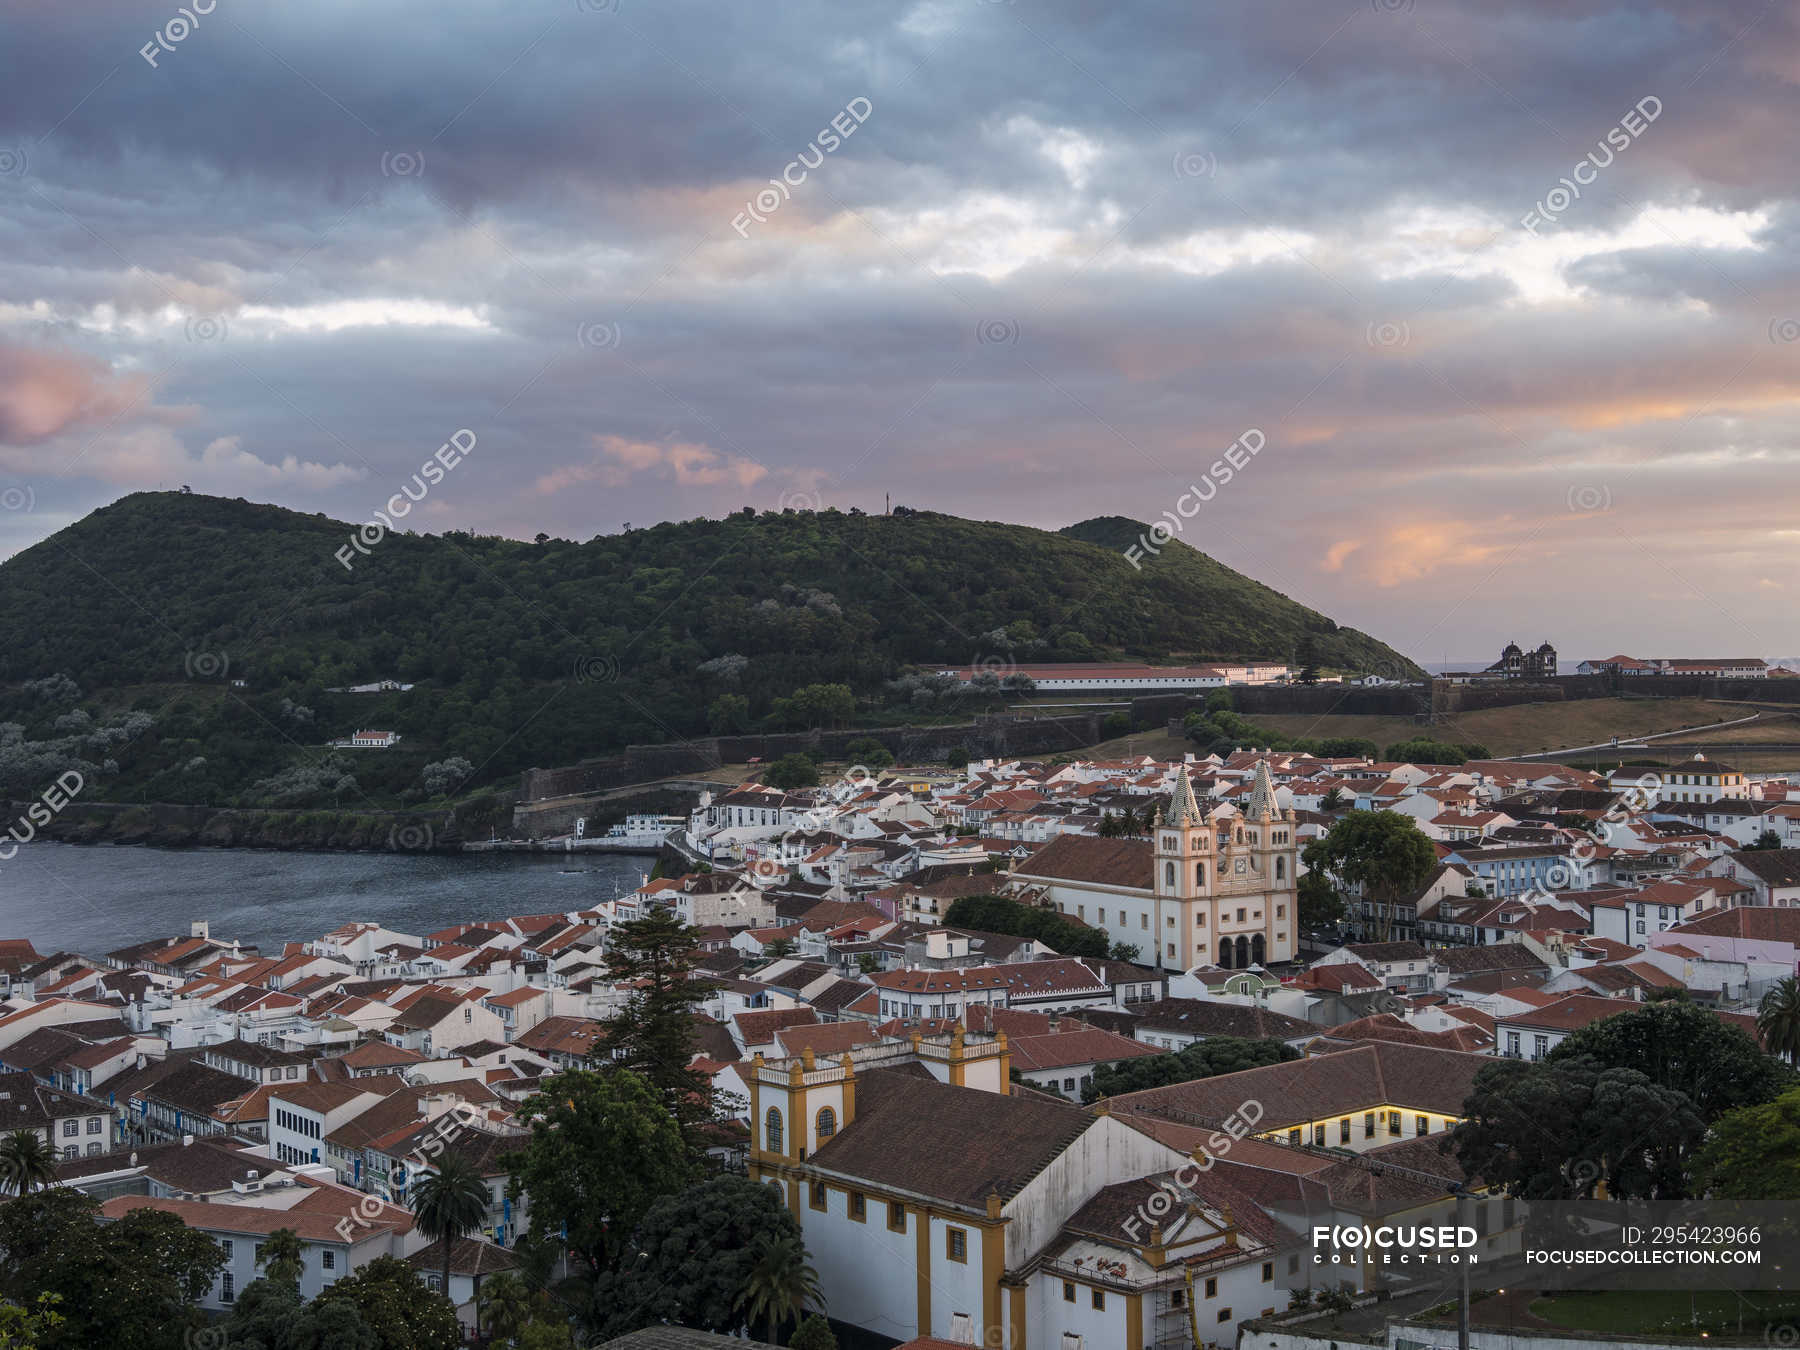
(1052, 260)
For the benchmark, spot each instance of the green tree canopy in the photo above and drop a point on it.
(791, 771)
(508, 1305)
(1203, 1059)
(634, 635)
(869, 752)
(132, 1283)
(997, 914)
(26, 1162)
(284, 1257)
(728, 713)
(270, 1315)
(394, 1303)
(1382, 854)
(1319, 902)
(448, 1203)
(1679, 1045)
(1777, 1021)
(603, 1150)
(1560, 1130)
(652, 1035)
(692, 1256)
(780, 1285)
(1753, 1152)
(1426, 751)
(29, 1328)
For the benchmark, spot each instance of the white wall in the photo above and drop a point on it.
(1106, 1152)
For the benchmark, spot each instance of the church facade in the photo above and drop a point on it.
(1518, 664)
(1203, 890)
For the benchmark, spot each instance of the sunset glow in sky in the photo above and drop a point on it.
(1064, 254)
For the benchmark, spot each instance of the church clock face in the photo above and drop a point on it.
(1242, 865)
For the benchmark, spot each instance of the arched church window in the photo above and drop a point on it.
(772, 1130)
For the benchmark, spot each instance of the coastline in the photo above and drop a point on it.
(174, 826)
(226, 828)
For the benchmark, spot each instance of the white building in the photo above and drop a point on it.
(938, 1204)
(339, 1230)
(1208, 889)
(367, 740)
(1695, 780)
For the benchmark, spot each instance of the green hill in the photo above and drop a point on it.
(539, 654)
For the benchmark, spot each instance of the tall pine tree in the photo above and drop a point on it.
(653, 1035)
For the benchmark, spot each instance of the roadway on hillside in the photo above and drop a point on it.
(1623, 742)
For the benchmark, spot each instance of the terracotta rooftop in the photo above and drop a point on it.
(954, 1144)
(1341, 1083)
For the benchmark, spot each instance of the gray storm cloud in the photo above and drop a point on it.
(1071, 253)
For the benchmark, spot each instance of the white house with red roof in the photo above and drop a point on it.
(367, 740)
(340, 1230)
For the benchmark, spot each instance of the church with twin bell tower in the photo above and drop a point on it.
(1208, 888)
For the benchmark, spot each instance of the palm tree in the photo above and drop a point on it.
(506, 1305)
(26, 1161)
(284, 1258)
(781, 1285)
(1778, 1020)
(451, 1201)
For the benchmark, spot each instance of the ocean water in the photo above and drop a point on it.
(96, 898)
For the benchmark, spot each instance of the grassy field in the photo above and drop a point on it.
(1532, 727)
(1157, 743)
(1772, 728)
(1526, 729)
(1644, 1312)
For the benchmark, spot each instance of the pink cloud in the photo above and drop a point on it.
(690, 465)
(43, 393)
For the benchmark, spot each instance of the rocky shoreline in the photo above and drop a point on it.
(167, 825)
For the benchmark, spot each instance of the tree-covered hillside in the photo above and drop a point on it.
(537, 654)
